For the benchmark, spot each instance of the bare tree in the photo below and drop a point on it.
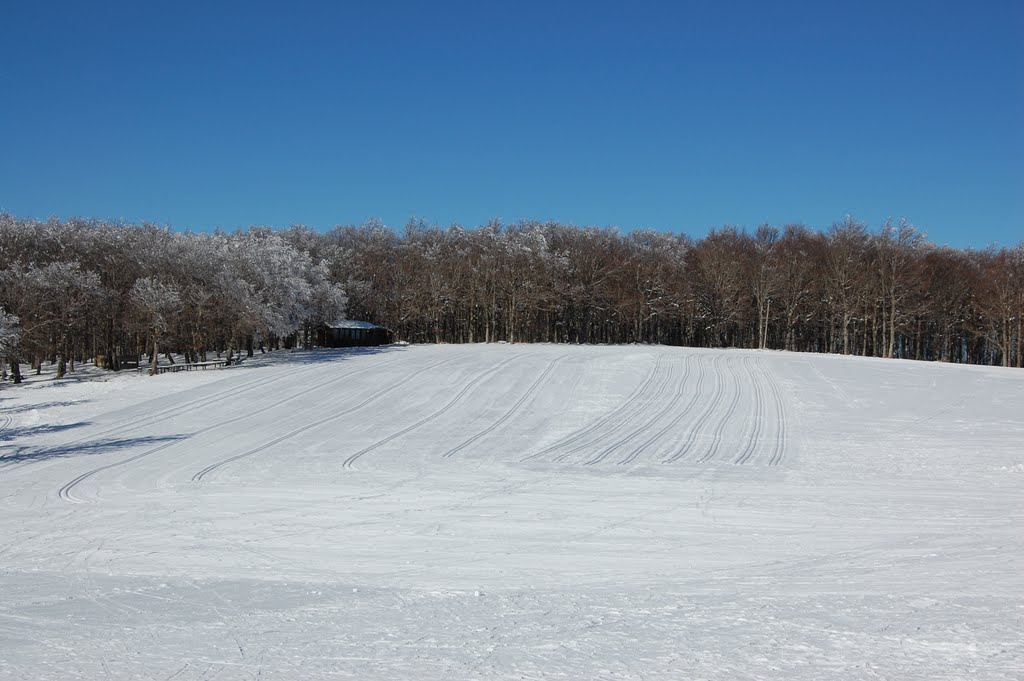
(765, 277)
(845, 259)
(897, 247)
(720, 269)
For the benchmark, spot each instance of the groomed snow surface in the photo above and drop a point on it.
(516, 512)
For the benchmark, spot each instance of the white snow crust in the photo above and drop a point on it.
(516, 512)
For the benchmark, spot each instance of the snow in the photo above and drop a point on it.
(516, 512)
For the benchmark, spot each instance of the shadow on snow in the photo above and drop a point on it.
(35, 431)
(31, 454)
(41, 405)
(281, 358)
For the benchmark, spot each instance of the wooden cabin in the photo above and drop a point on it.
(348, 333)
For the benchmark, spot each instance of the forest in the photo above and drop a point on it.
(118, 294)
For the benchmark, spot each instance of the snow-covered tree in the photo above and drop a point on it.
(10, 336)
(72, 286)
(156, 303)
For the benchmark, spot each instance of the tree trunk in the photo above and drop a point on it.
(1020, 340)
(890, 352)
(155, 356)
(846, 333)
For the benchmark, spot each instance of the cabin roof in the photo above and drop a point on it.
(351, 324)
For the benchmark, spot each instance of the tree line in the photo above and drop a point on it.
(87, 289)
(884, 293)
(110, 292)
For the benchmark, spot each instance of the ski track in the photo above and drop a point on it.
(465, 389)
(65, 492)
(200, 475)
(164, 415)
(632, 456)
(726, 418)
(586, 430)
(514, 408)
(5, 422)
(957, 404)
(198, 403)
(782, 429)
(667, 406)
(754, 439)
(706, 414)
(626, 414)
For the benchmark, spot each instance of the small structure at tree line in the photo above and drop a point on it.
(348, 333)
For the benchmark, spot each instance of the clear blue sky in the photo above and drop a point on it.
(673, 115)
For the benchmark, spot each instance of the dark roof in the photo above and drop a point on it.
(351, 324)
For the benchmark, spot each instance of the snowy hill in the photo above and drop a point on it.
(507, 511)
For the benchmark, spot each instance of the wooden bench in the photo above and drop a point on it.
(191, 366)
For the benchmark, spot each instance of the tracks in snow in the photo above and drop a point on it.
(199, 476)
(696, 407)
(726, 419)
(163, 415)
(5, 422)
(677, 418)
(350, 461)
(680, 383)
(530, 392)
(748, 392)
(625, 417)
(597, 425)
(710, 410)
(65, 492)
(782, 427)
(758, 420)
(726, 391)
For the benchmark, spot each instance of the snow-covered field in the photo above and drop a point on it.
(519, 512)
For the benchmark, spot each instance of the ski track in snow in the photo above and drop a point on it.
(726, 417)
(520, 512)
(65, 492)
(587, 431)
(681, 387)
(680, 384)
(709, 411)
(780, 419)
(198, 477)
(154, 412)
(659, 397)
(754, 439)
(511, 412)
(158, 415)
(5, 422)
(350, 461)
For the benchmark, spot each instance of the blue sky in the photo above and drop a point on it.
(675, 116)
